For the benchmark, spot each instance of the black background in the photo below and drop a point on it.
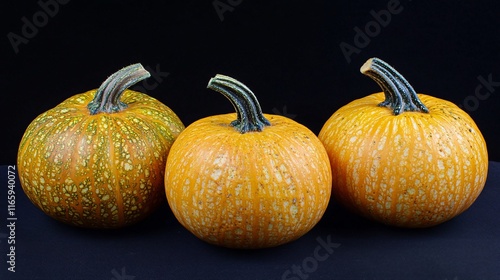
(287, 52)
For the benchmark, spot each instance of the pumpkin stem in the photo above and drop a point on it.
(399, 94)
(107, 97)
(249, 116)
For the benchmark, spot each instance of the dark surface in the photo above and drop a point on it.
(467, 247)
(287, 52)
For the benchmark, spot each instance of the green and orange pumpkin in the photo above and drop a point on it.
(98, 159)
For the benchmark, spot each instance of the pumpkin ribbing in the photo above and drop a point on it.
(412, 169)
(261, 187)
(100, 170)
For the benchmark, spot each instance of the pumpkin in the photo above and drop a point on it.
(402, 158)
(247, 180)
(98, 159)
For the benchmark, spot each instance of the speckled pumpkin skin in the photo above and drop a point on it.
(252, 190)
(411, 170)
(99, 171)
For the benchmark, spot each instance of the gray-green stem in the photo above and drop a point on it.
(107, 97)
(249, 116)
(399, 94)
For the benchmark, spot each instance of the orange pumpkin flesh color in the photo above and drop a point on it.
(247, 180)
(408, 165)
(98, 159)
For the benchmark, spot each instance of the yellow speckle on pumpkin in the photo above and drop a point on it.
(216, 174)
(128, 166)
(440, 164)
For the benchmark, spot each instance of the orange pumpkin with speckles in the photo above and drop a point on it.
(98, 159)
(417, 163)
(247, 180)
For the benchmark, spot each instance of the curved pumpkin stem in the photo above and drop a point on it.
(249, 116)
(107, 97)
(399, 94)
